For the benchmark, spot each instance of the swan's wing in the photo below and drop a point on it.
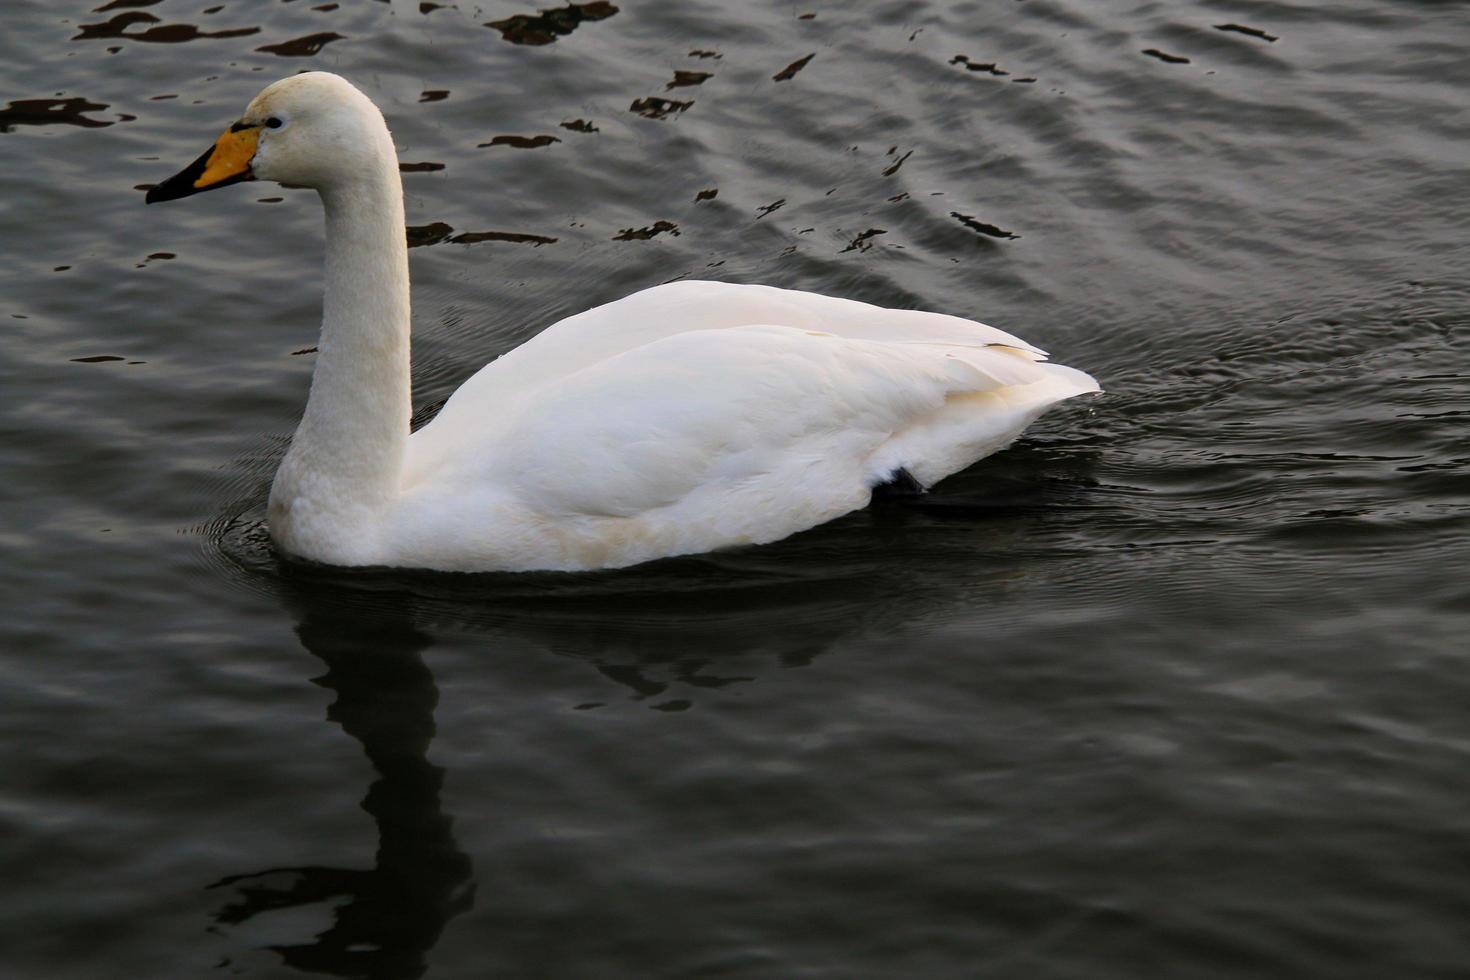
(746, 434)
(661, 312)
(684, 307)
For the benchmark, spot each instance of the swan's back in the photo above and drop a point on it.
(680, 307)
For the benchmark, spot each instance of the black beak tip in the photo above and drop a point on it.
(181, 184)
(177, 186)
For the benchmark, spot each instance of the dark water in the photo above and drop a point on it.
(1175, 687)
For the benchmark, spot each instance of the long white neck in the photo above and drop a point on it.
(342, 472)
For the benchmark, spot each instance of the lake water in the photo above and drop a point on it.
(1175, 687)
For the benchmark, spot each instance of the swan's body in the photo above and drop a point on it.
(680, 419)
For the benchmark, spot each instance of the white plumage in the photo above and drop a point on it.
(680, 419)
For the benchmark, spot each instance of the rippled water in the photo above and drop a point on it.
(1174, 687)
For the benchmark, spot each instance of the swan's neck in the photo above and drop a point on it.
(341, 474)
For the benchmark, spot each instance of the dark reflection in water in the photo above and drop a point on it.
(155, 257)
(644, 234)
(430, 234)
(983, 227)
(1255, 32)
(547, 25)
(789, 72)
(686, 78)
(302, 47)
(668, 629)
(51, 112)
(988, 67)
(897, 164)
(654, 107)
(513, 237)
(663, 634)
(766, 209)
(390, 915)
(436, 232)
(521, 142)
(1164, 56)
(162, 34)
(863, 241)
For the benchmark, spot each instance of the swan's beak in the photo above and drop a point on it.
(225, 163)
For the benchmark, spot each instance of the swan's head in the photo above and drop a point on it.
(310, 130)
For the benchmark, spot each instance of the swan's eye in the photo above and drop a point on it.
(274, 122)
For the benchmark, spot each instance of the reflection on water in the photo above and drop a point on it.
(683, 79)
(302, 47)
(983, 227)
(521, 142)
(643, 234)
(548, 25)
(654, 107)
(663, 633)
(389, 916)
(789, 72)
(1164, 56)
(1255, 32)
(118, 26)
(438, 231)
(50, 112)
(669, 629)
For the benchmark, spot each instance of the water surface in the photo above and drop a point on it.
(1173, 687)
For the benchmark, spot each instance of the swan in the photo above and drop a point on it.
(684, 418)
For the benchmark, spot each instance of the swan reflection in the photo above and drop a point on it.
(388, 916)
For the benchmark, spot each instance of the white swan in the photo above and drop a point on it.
(680, 419)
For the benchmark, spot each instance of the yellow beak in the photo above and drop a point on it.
(225, 163)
